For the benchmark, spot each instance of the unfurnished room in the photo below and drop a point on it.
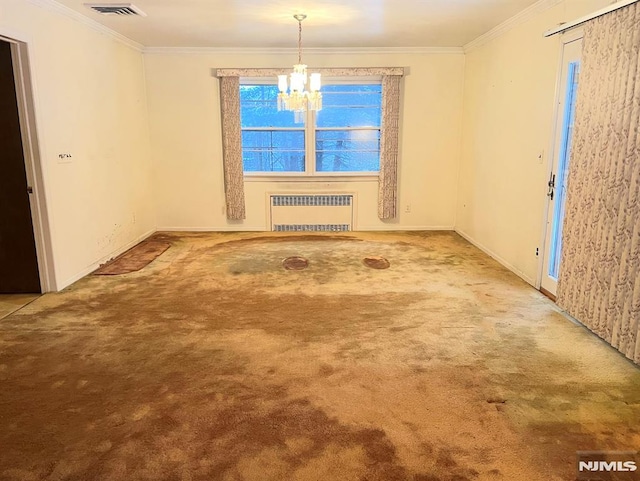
(320, 241)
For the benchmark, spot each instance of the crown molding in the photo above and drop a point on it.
(307, 51)
(519, 18)
(55, 7)
(529, 12)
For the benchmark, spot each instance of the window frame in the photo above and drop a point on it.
(310, 173)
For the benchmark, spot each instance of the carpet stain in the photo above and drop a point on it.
(376, 262)
(134, 259)
(295, 263)
(215, 363)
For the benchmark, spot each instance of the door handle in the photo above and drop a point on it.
(29, 189)
(551, 186)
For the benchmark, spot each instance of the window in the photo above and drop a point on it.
(342, 138)
(271, 142)
(347, 130)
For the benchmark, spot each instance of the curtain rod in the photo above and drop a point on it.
(586, 18)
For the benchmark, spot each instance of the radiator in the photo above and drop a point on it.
(311, 212)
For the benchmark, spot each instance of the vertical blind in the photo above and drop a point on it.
(599, 281)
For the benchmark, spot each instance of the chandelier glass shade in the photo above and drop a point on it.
(294, 95)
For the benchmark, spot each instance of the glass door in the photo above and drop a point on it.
(557, 183)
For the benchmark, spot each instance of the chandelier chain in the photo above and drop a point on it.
(299, 41)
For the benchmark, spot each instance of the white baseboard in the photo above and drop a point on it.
(226, 228)
(245, 228)
(400, 228)
(104, 259)
(495, 256)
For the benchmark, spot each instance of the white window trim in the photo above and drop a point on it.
(338, 177)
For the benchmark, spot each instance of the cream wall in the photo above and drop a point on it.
(90, 102)
(183, 99)
(98, 99)
(509, 97)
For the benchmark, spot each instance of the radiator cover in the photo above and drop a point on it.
(311, 212)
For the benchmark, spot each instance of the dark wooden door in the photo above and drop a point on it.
(18, 259)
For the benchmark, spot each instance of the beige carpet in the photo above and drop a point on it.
(10, 303)
(215, 362)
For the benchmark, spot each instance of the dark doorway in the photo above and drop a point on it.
(18, 257)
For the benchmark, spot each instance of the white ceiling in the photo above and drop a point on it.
(330, 23)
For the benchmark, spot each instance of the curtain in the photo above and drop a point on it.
(599, 280)
(232, 147)
(389, 136)
(388, 183)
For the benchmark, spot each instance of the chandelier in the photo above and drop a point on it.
(293, 94)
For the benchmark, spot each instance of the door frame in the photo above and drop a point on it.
(569, 36)
(25, 93)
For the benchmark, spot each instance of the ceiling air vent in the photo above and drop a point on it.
(116, 9)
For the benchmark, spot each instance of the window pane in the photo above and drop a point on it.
(273, 139)
(350, 106)
(347, 161)
(368, 140)
(272, 161)
(348, 150)
(352, 88)
(349, 117)
(259, 107)
(273, 150)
